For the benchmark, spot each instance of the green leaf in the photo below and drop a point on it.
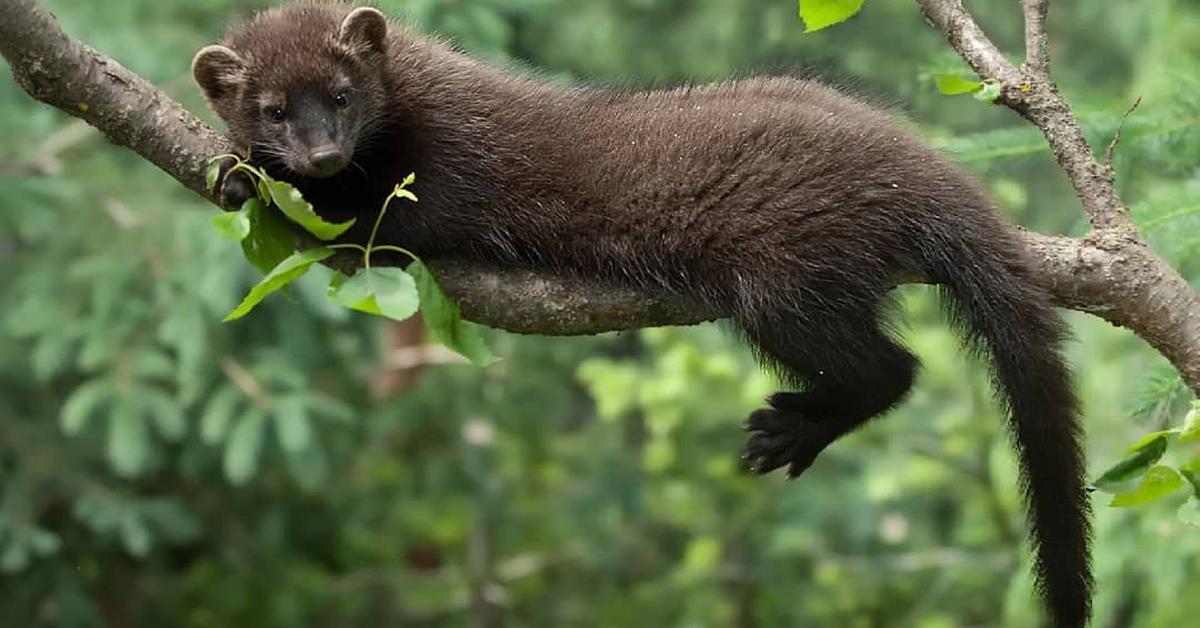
(1191, 425)
(444, 320)
(1149, 440)
(1189, 512)
(165, 412)
(386, 291)
(134, 534)
(818, 14)
(329, 408)
(43, 542)
(989, 92)
(82, 403)
(15, 557)
(235, 226)
(244, 446)
(1140, 457)
(952, 84)
(212, 173)
(270, 240)
(300, 211)
(292, 425)
(1159, 482)
(308, 467)
(286, 272)
(1191, 473)
(217, 415)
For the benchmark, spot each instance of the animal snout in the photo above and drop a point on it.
(326, 160)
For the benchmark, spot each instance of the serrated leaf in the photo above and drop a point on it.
(1135, 463)
(270, 240)
(444, 319)
(286, 272)
(234, 226)
(128, 445)
(244, 446)
(1158, 482)
(82, 403)
(818, 14)
(292, 425)
(953, 84)
(292, 204)
(217, 415)
(352, 292)
(386, 291)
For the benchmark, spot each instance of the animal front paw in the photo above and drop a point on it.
(236, 188)
(779, 438)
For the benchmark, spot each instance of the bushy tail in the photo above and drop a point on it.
(998, 303)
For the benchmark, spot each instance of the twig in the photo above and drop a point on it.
(246, 382)
(1112, 146)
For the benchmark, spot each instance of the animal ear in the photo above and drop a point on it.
(217, 70)
(365, 28)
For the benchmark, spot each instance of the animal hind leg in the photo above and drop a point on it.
(850, 371)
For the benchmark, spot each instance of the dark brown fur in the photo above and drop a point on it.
(784, 203)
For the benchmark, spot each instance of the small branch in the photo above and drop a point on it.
(1037, 55)
(969, 40)
(1112, 146)
(1030, 92)
(246, 382)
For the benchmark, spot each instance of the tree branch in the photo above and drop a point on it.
(1110, 273)
(1037, 54)
(1030, 92)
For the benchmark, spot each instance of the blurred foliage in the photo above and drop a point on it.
(159, 468)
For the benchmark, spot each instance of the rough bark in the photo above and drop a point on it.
(1110, 273)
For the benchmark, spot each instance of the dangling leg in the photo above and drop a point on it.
(850, 371)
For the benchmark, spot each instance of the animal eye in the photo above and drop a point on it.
(276, 114)
(341, 100)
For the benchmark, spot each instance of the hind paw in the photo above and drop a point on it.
(781, 438)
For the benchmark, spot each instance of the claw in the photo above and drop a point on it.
(779, 439)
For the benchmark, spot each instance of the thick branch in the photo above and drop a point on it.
(1111, 274)
(60, 71)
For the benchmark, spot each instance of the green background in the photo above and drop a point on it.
(160, 468)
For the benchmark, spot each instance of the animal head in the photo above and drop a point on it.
(302, 85)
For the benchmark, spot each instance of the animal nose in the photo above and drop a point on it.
(327, 159)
